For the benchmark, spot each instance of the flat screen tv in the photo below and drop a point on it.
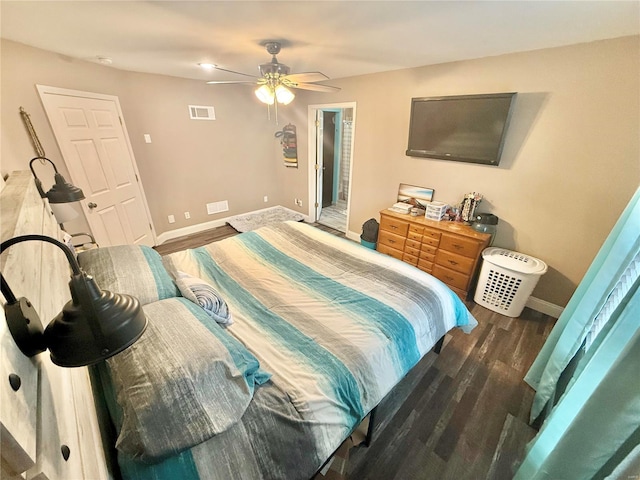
(464, 128)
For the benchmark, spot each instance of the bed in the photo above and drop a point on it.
(305, 334)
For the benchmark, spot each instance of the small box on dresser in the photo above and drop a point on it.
(449, 251)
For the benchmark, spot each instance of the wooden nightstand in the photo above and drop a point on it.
(447, 250)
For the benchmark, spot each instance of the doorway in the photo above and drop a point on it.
(97, 152)
(330, 163)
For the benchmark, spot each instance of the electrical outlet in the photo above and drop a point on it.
(172, 219)
(187, 215)
(299, 202)
(295, 201)
(266, 199)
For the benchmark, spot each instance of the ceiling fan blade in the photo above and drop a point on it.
(307, 77)
(316, 88)
(223, 82)
(236, 73)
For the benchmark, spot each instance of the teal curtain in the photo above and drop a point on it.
(592, 408)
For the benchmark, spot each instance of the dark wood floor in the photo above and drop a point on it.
(458, 415)
(461, 414)
(213, 235)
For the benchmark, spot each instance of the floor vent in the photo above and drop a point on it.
(200, 112)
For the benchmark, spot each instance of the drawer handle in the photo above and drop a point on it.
(453, 262)
(394, 227)
(15, 381)
(392, 241)
(66, 452)
(449, 278)
(456, 246)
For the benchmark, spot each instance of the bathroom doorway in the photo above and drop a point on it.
(330, 163)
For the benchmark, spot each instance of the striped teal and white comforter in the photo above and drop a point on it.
(336, 324)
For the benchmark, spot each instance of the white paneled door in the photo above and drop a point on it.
(93, 140)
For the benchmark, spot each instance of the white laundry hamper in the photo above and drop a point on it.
(506, 280)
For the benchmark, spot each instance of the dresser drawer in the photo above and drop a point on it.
(454, 261)
(413, 243)
(429, 257)
(427, 240)
(413, 228)
(425, 265)
(459, 245)
(448, 276)
(431, 250)
(411, 250)
(392, 252)
(391, 240)
(394, 225)
(434, 234)
(410, 259)
(414, 235)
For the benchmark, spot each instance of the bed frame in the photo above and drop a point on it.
(49, 425)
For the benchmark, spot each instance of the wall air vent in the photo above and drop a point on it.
(200, 112)
(217, 207)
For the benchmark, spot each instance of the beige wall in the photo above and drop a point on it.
(571, 160)
(188, 164)
(570, 165)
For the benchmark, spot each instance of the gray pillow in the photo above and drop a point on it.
(136, 270)
(183, 382)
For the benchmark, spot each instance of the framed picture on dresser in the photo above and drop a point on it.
(417, 196)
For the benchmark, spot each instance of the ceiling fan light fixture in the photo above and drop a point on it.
(265, 94)
(284, 95)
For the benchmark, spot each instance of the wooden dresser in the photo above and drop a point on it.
(449, 251)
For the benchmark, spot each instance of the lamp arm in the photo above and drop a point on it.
(37, 180)
(41, 158)
(6, 291)
(75, 267)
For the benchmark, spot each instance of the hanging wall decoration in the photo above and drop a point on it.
(289, 145)
(26, 118)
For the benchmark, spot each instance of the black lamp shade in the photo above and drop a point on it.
(94, 325)
(63, 191)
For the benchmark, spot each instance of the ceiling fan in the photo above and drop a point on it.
(275, 80)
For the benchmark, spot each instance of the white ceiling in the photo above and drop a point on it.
(338, 38)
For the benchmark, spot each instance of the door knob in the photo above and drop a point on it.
(92, 205)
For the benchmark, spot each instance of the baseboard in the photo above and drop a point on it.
(355, 236)
(545, 307)
(201, 227)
